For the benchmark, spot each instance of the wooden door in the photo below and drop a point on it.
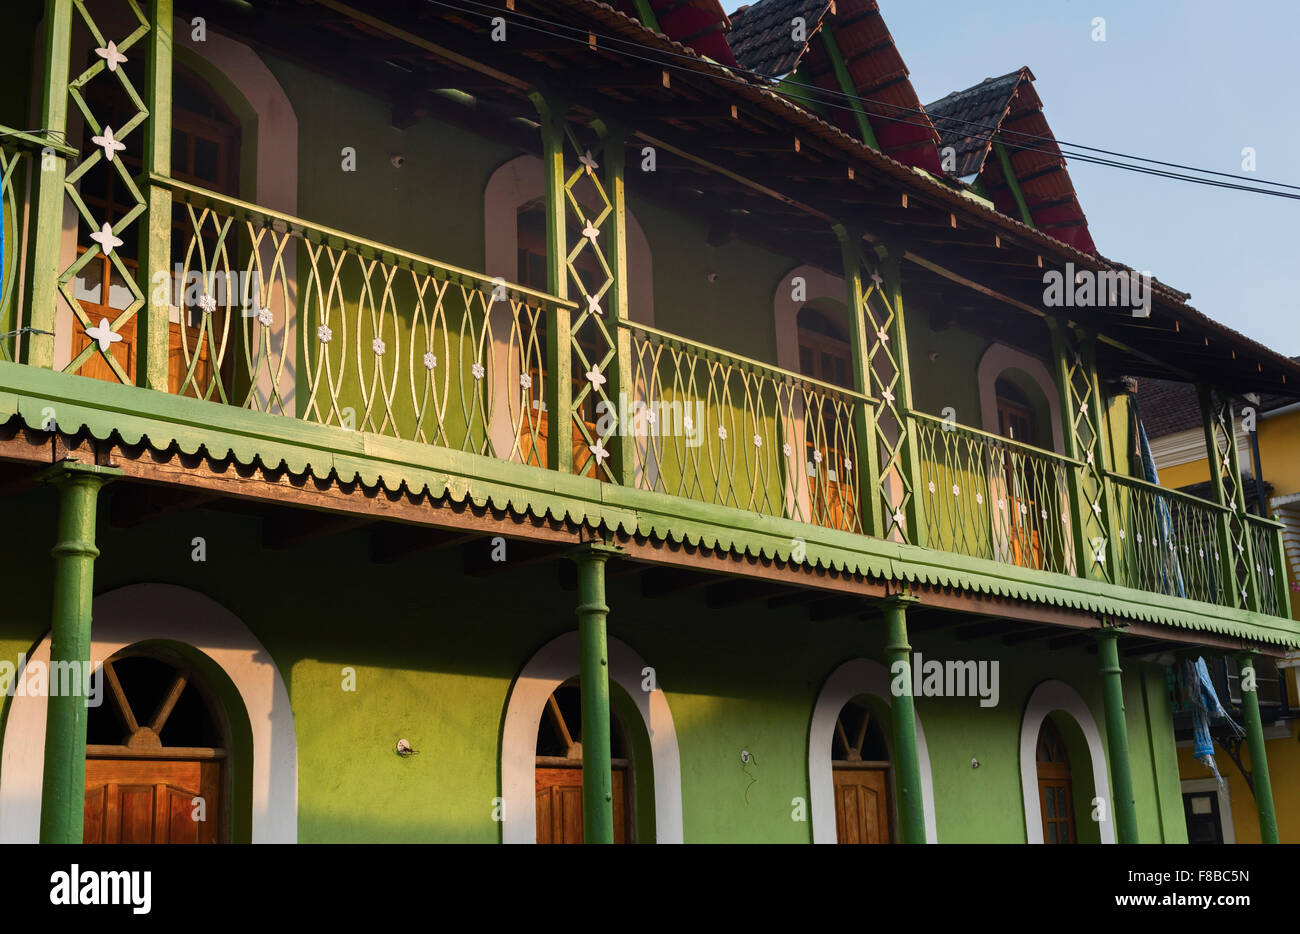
(152, 801)
(1055, 793)
(861, 805)
(559, 804)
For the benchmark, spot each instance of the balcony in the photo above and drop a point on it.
(275, 314)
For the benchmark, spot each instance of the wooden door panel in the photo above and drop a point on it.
(559, 805)
(861, 806)
(151, 801)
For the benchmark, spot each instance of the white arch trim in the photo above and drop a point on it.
(143, 612)
(854, 677)
(1047, 697)
(555, 663)
(999, 358)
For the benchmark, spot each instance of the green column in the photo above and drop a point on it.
(559, 354)
(622, 378)
(1123, 808)
(907, 760)
(864, 428)
(44, 264)
(597, 782)
(152, 341)
(63, 788)
(1258, 755)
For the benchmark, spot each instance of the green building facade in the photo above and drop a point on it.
(456, 439)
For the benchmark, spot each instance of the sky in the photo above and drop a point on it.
(1186, 81)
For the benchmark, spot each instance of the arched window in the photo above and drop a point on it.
(1015, 415)
(205, 152)
(1055, 793)
(156, 755)
(863, 776)
(559, 771)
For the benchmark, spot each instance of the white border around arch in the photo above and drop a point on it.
(999, 358)
(555, 663)
(1047, 697)
(142, 612)
(856, 676)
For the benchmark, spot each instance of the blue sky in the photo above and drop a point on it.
(1185, 81)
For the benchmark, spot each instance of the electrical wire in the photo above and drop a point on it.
(582, 36)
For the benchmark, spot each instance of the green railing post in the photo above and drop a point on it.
(1280, 574)
(44, 265)
(1260, 784)
(891, 269)
(863, 422)
(153, 340)
(907, 760)
(1091, 497)
(63, 787)
(622, 383)
(1237, 544)
(597, 780)
(1114, 551)
(559, 354)
(1223, 523)
(1123, 807)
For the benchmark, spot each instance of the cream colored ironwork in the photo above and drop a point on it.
(387, 341)
(123, 228)
(719, 428)
(992, 497)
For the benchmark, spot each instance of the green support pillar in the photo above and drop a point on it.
(597, 781)
(907, 760)
(63, 790)
(47, 220)
(1123, 807)
(1258, 755)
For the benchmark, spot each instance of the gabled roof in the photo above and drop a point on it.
(1010, 107)
(700, 24)
(762, 38)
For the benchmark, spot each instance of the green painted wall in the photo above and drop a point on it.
(435, 653)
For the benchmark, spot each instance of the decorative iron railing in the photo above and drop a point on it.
(1270, 565)
(276, 313)
(991, 497)
(12, 216)
(712, 426)
(1169, 542)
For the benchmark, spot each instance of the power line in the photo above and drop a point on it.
(581, 36)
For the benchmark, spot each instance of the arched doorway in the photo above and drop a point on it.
(863, 776)
(1055, 792)
(156, 753)
(1063, 763)
(559, 771)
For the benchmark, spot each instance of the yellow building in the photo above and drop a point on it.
(1268, 437)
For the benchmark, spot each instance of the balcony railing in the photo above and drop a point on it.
(1169, 541)
(990, 497)
(285, 316)
(713, 426)
(12, 161)
(271, 312)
